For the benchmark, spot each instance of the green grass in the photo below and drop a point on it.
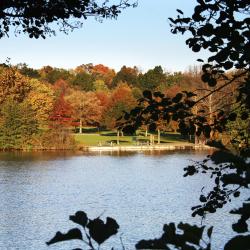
(105, 138)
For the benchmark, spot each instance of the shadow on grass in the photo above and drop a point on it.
(109, 134)
(115, 141)
(174, 137)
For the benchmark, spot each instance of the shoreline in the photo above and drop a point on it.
(121, 148)
(170, 146)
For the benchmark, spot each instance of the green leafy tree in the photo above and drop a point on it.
(27, 71)
(113, 113)
(153, 79)
(51, 75)
(18, 125)
(126, 75)
(84, 81)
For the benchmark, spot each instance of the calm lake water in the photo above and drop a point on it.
(38, 191)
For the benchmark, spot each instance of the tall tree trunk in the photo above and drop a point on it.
(159, 136)
(196, 138)
(118, 137)
(80, 128)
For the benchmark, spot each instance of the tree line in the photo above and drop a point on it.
(39, 105)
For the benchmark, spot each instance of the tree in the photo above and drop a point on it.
(51, 75)
(36, 18)
(18, 125)
(13, 85)
(86, 108)
(84, 81)
(26, 71)
(41, 98)
(153, 79)
(61, 115)
(60, 120)
(126, 75)
(121, 100)
(173, 78)
(101, 72)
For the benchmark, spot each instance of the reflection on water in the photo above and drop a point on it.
(38, 191)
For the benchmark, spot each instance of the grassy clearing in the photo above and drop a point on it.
(105, 138)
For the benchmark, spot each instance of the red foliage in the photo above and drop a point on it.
(100, 69)
(61, 86)
(61, 114)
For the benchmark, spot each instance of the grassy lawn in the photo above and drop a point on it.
(105, 138)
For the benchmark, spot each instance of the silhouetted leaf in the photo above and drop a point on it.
(240, 227)
(228, 65)
(212, 82)
(177, 98)
(178, 10)
(229, 179)
(244, 116)
(80, 218)
(222, 156)
(196, 48)
(181, 240)
(192, 234)
(171, 20)
(101, 231)
(147, 94)
(135, 111)
(237, 194)
(241, 242)
(152, 244)
(244, 211)
(232, 116)
(209, 232)
(73, 234)
(203, 198)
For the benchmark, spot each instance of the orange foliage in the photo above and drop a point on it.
(61, 86)
(123, 93)
(172, 91)
(103, 97)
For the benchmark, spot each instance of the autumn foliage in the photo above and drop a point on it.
(64, 101)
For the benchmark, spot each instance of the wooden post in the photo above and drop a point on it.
(159, 136)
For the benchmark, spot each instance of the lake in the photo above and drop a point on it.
(142, 191)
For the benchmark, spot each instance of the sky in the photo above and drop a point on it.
(139, 37)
